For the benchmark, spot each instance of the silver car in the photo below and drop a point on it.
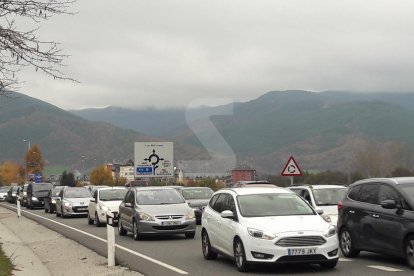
(73, 201)
(155, 211)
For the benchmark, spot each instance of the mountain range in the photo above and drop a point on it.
(323, 131)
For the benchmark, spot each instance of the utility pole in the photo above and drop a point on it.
(25, 159)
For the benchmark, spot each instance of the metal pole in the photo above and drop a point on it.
(18, 206)
(291, 180)
(110, 240)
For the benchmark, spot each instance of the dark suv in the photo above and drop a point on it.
(36, 193)
(377, 215)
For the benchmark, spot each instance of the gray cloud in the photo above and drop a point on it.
(170, 52)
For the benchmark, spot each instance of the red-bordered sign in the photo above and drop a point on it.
(291, 168)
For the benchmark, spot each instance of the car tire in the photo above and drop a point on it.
(57, 213)
(409, 251)
(97, 221)
(62, 214)
(190, 235)
(121, 230)
(240, 256)
(46, 210)
(330, 264)
(135, 231)
(31, 206)
(90, 221)
(51, 210)
(208, 252)
(347, 245)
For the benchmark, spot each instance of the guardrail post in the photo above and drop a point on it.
(18, 207)
(110, 238)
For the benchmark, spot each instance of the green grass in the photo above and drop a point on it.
(6, 266)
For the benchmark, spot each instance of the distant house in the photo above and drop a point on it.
(122, 170)
(241, 173)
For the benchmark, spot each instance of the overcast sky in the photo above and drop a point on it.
(137, 53)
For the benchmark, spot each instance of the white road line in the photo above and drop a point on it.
(344, 260)
(385, 268)
(103, 240)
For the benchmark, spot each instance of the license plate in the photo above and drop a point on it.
(170, 223)
(82, 209)
(301, 251)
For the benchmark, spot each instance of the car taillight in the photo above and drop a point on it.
(340, 206)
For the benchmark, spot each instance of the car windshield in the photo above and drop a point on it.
(156, 197)
(267, 205)
(56, 191)
(42, 187)
(408, 191)
(15, 188)
(4, 189)
(329, 196)
(197, 193)
(112, 195)
(77, 193)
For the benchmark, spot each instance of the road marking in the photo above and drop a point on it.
(344, 260)
(103, 240)
(385, 268)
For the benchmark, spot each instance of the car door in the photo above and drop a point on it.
(214, 221)
(228, 225)
(390, 227)
(128, 211)
(47, 200)
(59, 202)
(92, 205)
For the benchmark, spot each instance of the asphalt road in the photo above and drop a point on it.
(176, 255)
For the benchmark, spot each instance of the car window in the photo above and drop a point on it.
(369, 193)
(157, 197)
(129, 197)
(77, 193)
(281, 204)
(329, 196)
(354, 192)
(113, 194)
(230, 204)
(219, 204)
(95, 195)
(387, 192)
(213, 200)
(42, 187)
(306, 195)
(197, 193)
(297, 191)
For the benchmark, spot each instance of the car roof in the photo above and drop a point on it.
(391, 180)
(112, 188)
(189, 188)
(320, 186)
(153, 188)
(257, 190)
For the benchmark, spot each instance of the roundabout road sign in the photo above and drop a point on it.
(291, 168)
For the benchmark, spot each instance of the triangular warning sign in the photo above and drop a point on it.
(291, 168)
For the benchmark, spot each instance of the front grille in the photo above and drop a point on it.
(301, 259)
(170, 227)
(301, 241)
(76, 209)
(169, 217)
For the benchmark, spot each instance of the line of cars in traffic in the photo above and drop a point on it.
(260, 222)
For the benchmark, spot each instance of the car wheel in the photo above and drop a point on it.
(190, 235)
(135, 231)
(330, 264)
(46, 210)
(409, 251)
(90, 221)
(57, 213)
(346, 244)
(51, 210)
(240, 256)
(121, 230)
(97, 221)
(208, 252)
(31, 206)
(62, 214)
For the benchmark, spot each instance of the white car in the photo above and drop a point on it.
(325, 197)
(104, 200)
(266, 225)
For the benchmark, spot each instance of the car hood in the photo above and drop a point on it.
(284, 224)
(113, 205)
(1, 193)
(166, 209)
(79, 201)
(197, 202)
(329, 210)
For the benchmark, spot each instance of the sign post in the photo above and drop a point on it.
(291, 169)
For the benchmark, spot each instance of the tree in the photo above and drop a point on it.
(101, 176)
(10, 173)
(67, 179)
(21, 48)
(34, 160)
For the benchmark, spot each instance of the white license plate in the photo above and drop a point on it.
(170, 223)
(82, 209)
(301, 251)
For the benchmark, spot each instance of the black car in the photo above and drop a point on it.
(36, 193)
(197, 198)
(50, 199)
(377, 215)
(12, 194)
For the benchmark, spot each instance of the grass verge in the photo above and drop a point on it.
(6, 265)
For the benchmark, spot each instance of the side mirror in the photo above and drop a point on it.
(93, 200)
(58, 199)
(388, 204)
(128, 205)
(227, 214)
(319, 211)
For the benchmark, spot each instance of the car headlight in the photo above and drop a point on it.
(326, 218)
(256, 233)
(34, 198)
(53, 201)
(67, 204)
(105, 208)
(146, 217)
(331, 231)
(190, 215)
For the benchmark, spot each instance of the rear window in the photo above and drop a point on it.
(197, 193)
(408, 190)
